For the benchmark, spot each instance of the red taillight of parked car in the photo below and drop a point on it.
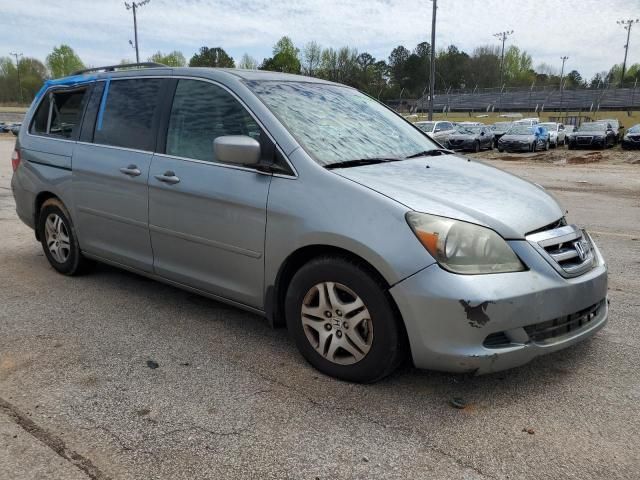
(15, 159)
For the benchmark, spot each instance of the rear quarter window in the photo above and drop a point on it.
(60, 114)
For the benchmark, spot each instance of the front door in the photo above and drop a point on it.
(207, 219)
(111, 170)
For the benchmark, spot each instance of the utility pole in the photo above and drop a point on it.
(564, 59)
(432, 75)
(502, 36)
(18, 69)
(627, 24)
(134, 6)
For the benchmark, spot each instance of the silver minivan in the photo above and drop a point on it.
(312, 204)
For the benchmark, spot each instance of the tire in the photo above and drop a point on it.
(378, 335)
(547, 145)
(534, 146)
(55, 228)
(571, 147)
(491, 145)
(500, 149)
(476, 146)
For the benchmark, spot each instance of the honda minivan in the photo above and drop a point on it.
(311, 204)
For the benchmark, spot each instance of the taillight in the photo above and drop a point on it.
(15, 159)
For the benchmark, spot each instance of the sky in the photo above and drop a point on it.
(100, 30)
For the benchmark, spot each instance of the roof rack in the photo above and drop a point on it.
(112, 68)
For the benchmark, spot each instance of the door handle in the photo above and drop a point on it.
(168, 177)
(131, 170)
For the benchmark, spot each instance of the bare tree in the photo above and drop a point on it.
(248, 62)
(311, 52)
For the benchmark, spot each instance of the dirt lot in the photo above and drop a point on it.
(231, 398)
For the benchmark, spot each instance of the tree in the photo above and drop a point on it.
(63, 61)
(285, 57)
(33, 73)
(171, 59)
(518, 67)
(212, 57)
(311, 53)
(574, 79)
(397, 65)
(248, 62)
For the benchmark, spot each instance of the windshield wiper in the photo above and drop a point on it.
(431, 153)
(361, 161)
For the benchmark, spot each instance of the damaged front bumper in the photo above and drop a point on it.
(488, 323)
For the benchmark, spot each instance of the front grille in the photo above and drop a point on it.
(542, 332)
(584, 140)
(545, 332)
(568, 249)
(634, 138)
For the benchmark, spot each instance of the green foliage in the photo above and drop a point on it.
(63, 61)
(211, 57)
(518, 67)
(285, 58)
(32, 75)
(171, 59)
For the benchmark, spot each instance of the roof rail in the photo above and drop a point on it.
(112, 68)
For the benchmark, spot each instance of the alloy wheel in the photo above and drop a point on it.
(57, 238)
(337, 323)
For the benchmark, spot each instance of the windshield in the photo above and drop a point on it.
(337, 124)
(634, 129)
(469, 130)
(521, 130)
(425, 126)
(592, 127)
(501, 126)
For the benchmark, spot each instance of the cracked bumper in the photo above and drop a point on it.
(449, 316)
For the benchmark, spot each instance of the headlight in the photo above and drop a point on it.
(462, 247)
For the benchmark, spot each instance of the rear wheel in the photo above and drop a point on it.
(476, 146)
(342, 320)
(58, 238)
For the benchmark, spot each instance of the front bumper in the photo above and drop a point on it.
(465, 145)
(450, 319)
(628, 143)
(514, 147)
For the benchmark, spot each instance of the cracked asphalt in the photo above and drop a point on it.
(231, 398)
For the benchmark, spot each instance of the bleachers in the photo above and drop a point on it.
(529, 100)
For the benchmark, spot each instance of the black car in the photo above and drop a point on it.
(471, 137)
(593, 135)
(499, 129)
(631, 139)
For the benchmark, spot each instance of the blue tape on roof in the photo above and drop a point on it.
(66, 81)
(103, 103)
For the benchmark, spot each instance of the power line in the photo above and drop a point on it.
(627, 24)
(134, 6)
(18, 69)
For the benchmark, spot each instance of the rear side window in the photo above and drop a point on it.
(127, 114)
(60, 114)
(201, 112)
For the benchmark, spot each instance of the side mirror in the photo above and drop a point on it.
(238, 149)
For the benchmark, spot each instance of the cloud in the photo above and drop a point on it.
(100, 30)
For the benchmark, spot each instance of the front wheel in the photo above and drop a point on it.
(58, 238)
(342, 320)
(476, 146)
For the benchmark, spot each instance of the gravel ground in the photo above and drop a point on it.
(231, 398)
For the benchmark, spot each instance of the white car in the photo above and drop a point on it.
(557, 134)
(527, 121)
(439, 131)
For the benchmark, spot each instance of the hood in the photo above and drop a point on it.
(455, 187)
(589, 133)
(517, 137)
(464, 136)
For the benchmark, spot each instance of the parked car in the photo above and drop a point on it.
(473, 138)
(631, 139)
(439, 131)
(593, 135)
(557, 134)
(524, 138)
(617, 128)
(568, 130)
(312, 204)
(499, 129)
(527, 121)
(15, 128)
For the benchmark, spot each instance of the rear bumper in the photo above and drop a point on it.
(24, 200)
(448, 317)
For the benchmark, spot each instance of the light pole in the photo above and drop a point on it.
(502, 36)
(627, 24)
(432, 67)
(18, 69)
(564, 59)
(134, 6)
